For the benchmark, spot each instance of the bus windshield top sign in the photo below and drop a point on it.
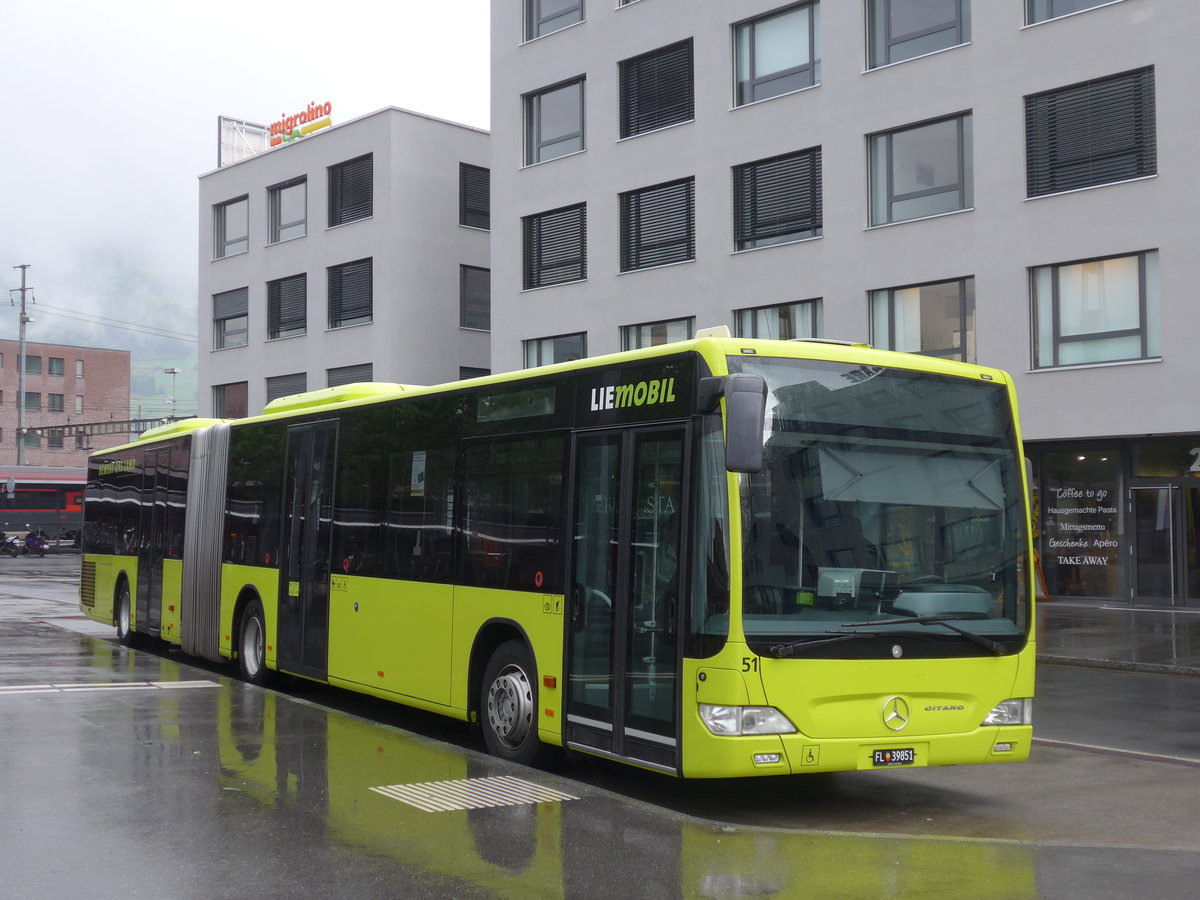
(662, 389)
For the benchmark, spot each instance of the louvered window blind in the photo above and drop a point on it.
(351, 190)
(777, 199)
(1092, 133)
(350, 293)
(658, 225)
(474, 196)
(287, 307)
(286, 385)
(349, 374)
(657, 89)
(555, 246)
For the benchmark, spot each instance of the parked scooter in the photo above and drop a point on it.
(35, 545)
(10, 546)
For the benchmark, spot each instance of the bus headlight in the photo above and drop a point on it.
(1011, 712)
(733, 720)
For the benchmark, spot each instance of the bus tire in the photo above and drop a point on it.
(508, 705)
(252, 644)
(124, 613)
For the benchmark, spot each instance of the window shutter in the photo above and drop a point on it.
(555, 246)
(230, 304)
(1092, 133)
(351, 190)
(349, 374)
(350, 293)
(778, 198)
(474, 196)
(287, 311)
(658, 225)
(286, 385)
(657, 89)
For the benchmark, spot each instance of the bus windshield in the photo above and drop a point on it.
(888, 516)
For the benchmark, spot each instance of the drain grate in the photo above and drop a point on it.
(471, 793)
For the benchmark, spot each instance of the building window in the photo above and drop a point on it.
(782, 322)
(79, 403)
(652, 334)
(56, 366)
(777, 53)
(1092, 133)
(475, 298)
(351, 190)
(54, 440)
(351, 289)
(33, 402)
(286, 385)
(923, 170)
(54, 403)
(349, 374)
(31, 440)
(563, 348)
(1041, 10)
(230, 400)
(1100, 310)
(288, 205)
(554, 122)
(555, 246)
(545, 16)
(79, 368)
(465, 372)
(81, 442)
(658, 225)
(287, 307)
(777, 200)
(231, 227)
(656, 89)
(936, 319)
(33, 365)
(903, 29)
(474, 196)
(230, 319)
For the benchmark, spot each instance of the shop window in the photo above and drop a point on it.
(1079, 517)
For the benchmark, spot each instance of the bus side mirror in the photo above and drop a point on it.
(745, 417)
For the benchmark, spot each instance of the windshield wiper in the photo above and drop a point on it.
(790, 649)
(987, 643)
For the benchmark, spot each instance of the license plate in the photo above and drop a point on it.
(901, 757)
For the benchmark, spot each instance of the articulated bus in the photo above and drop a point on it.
(714, 558)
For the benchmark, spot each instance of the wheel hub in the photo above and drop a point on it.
(510, 707)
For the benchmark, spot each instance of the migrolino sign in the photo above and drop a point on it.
(300, 124)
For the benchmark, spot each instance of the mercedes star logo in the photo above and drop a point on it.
(895, 714)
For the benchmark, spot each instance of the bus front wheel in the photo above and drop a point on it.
(252, 641)
(508, 705)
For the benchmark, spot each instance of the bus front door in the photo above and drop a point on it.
(623, 658)
(303, 635)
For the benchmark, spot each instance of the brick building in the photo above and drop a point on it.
(64, 385)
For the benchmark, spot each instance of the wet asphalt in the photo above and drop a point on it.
(132, 773)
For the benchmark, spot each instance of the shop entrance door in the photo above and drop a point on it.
(1166, 561)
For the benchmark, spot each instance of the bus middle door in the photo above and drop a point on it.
(156, 473)
(304, 562)
(622, 647)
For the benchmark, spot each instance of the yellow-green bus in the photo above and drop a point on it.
(719, 557)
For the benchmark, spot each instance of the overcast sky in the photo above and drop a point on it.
(110, 113)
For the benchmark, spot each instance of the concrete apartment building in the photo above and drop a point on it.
(64, 385)
(359, 253)
(999, 181)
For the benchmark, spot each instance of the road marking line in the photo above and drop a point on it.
(1116, 751)
(17, 689)
(471, 793)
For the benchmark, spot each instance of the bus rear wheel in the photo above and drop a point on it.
(252, 643)
(508, 705)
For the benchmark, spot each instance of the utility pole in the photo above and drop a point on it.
(21, 365)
